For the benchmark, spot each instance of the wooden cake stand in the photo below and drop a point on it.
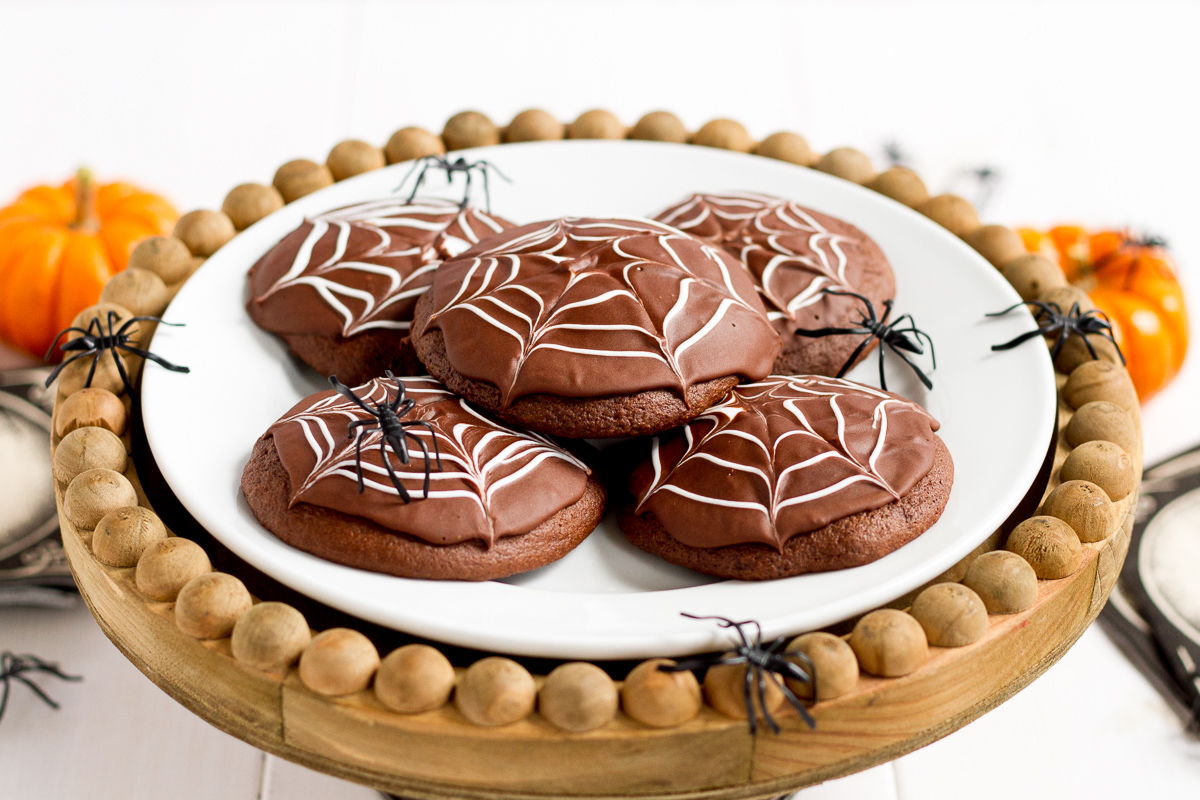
(232, 659)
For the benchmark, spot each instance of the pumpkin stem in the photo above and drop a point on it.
(85, 202)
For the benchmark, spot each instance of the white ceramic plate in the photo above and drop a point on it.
(606, 599)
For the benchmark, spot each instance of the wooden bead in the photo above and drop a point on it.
(91, 408)
(660, 126)
(534, 125)
(139, 290)
(999, 244)
(1032, 274)
(952, 212)
(414, 678)
(352, 157)
(1065, 296)
(725, 134)
(301, 177)
(848, 163)
(1098, 421)
(1085, 507)
(495, 691)
(902, 185)
(409, 143)
(1104, 464)
(660, 699)
(724, 690)
(88, 448)
(1004, 582)
(338, 661)
(121, 536)
(1074, 351)
(787, 146)
(596, 124)
(833, 662)
(95, 492)
(1049, 545)
(204, 231)
(248, 203)
(269, 636)
(100, 312)
(208, 605)
(469, 129)
(889, 643)
(952, 615)
(166, 566)
(578, 697)
(165, 256)
(1099, 380)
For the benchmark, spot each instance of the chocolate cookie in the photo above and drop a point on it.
(787, 476)
(503, 501)
(794, 254)
(593, 328)
(341, 288)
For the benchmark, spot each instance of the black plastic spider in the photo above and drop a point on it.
(95, 341)
(459, 164)
(895, 154)
(1051, 320)
(987, 179)
(888, 333)
(13, 668)
(769, 662)
(386, 415)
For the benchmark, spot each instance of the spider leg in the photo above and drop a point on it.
(358, 460)
(61, 334)
(854, 355)
(387, 462)
(748, 696)
(1023, 338)
(882, 379)
(120, 362)
(815, 333)
(924, 378)
(487, 190)
(92, 371)
(54, 374)
(157, 359)
(428, 470)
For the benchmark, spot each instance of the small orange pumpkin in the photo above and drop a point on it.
(1133, 281)
(58, 247)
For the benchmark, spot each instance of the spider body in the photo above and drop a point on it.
(458, 165)
(1053, 321)
(386, 417)
(99, 338)
(764, 662)
(901, 336)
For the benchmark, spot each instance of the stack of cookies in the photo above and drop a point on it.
(516, 345)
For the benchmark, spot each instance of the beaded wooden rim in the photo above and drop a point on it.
(918, 670)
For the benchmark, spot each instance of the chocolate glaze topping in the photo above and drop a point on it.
(495, 481)
(599, 307)
(781, 457)
(362, 267)
(793, 253)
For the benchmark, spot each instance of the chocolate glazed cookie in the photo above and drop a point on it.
(788, 476)
(593, 328)
(341, 288)
(794, 254)
(504, 501)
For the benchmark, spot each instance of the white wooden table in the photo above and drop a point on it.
(1088, 110)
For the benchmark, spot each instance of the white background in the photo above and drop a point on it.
(1088, 109)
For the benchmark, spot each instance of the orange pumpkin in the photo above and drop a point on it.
(1133, 281)
(58, 247)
